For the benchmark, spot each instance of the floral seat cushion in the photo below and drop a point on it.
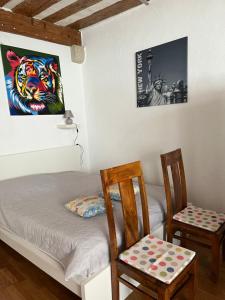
(87, 206)
(158, 258)
(199, 217)
(115, 191)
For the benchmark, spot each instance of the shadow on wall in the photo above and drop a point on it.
(201, 136)
(198, 128)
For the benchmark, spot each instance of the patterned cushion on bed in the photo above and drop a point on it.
(87, 207)
(199, 217)
(158, 258)
(115, 192)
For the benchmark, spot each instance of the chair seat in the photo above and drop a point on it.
(199, 217)
(160, 259)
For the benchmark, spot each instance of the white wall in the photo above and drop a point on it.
(31, 133)
(119, 132)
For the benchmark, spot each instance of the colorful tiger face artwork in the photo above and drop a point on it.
(33, 82)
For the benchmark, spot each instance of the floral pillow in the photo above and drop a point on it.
(115, 192)
(87, 207)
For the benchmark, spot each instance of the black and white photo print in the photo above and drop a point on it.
(162, 74)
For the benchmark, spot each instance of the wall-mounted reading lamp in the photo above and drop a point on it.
(68, 124)
(68, 115)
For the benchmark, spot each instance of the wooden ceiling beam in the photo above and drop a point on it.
(105, 13)
(70, 9)
(18, 24)
(31, 8)
(3, 2)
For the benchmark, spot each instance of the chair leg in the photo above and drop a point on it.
(169, 235)
(215, 263)
(183, 241)
(163, 294)
(223, 249)
(193, 281)
(115, 282)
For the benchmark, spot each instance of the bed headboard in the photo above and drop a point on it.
(42, 161)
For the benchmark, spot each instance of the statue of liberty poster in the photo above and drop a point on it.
(162, 74)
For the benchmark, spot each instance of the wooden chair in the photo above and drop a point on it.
(186, 222)
(139, 262)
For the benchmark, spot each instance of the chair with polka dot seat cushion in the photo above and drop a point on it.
(160, 259)
(160, 267)
(199, 217)
(188, 222)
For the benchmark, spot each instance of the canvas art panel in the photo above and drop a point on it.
(161, 74)
(33, 82)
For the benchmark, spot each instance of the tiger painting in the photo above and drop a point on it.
(33, 84)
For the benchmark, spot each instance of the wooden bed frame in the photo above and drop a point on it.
(99, 285)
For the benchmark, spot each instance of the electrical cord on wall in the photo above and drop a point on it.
(81, 154)
(79, 145)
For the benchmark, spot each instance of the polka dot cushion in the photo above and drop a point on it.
(158, 258)
(199, 217)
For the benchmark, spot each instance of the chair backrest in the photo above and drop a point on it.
(123, 175)
(174, 161)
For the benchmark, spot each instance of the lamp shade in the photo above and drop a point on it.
(68, 114)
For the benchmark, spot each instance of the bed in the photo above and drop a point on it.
(71, 249)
